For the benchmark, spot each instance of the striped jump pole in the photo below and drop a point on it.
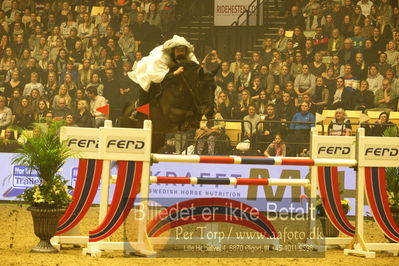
(228, 181)
(157, 158)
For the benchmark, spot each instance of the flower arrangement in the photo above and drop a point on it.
(320, 209)
(43, 154)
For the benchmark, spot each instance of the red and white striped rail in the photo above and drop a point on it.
(157, 158)
(229, 181)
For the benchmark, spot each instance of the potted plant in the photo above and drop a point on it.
(43, 155)
(392, 179)
(328, 228)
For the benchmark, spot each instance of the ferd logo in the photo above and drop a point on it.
(124, 144)
(373, 152)
(83, 144)
(334, 151)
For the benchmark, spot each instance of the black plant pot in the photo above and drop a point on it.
(329, 229)
(395, 215)
(45, 222)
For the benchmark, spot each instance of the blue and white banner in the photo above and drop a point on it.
(14, 179)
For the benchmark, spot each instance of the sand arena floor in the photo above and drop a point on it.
(17, 237)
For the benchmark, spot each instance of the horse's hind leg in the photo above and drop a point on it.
(158, 141)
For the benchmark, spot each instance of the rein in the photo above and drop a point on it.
(193, 93)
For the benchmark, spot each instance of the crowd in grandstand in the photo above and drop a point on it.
(61, 60)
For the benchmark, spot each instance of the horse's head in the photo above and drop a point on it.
(206, 87)
(201, 84)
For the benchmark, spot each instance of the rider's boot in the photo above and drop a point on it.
(142, 100)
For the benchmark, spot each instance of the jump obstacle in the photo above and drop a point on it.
(131, 147)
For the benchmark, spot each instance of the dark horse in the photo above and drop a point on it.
(180, 103)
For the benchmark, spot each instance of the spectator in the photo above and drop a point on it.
(85, 29)
(224, 76)
(69, 85)
(358, 40)
(270, 127)
(363, 98)
(277, 148)
(347, 27)
(232, 94)
(69, 122)
(261, 103)
(34, 97)
(13, 84)
(315, 19)
(328, 27)
(383, 66)
(62, 93)
(275, 65)
(296, 66)
(153, 17)
(342, 97)
(254, 119)
(391, 53)
(381, 125)
(358, 18)
(255, 89)
(141, 30)
(335, 43)
(241, 110)
(300, 129)
(71, 40)
(266, 79)
(336, 66)
(321, 95)
(61, 61)
(308, 99)
(365, 6)
(276, 95)
(256, 63)
(61, 110)
(360, 67)
(8, 143)
(384, 27)
(305, 82)
(286, 109)
(281, 42)
(208, 133)
(127, 44)
(367, 29)
(244, 81)
(5, 114)
(44, 60)
(24, 115)
(95, 82)
(167, 14)
(299, 39)
(55, 49)
(96, 101)
(350, 81)
(347, 54)
(267, 52)
(340, 125)
(237, 65)
(320, 40)
(385, 98)
(295, 19)
(378, 41)
(41, 110)
(34, 84)
(317, 68)
(224, 105)
(374, 79)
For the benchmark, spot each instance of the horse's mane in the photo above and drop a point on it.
(187, 64)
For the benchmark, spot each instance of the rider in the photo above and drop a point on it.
(155, 67)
